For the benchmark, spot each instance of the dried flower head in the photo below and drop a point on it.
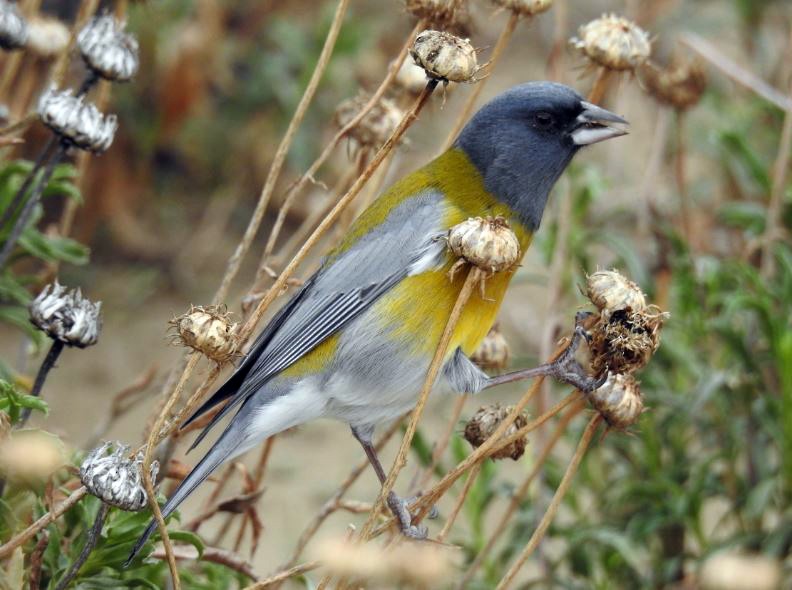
(626, 340)
(445, 15)
(487, 243)
(411, 78)
(613, 42)
(47, 37)
(525, 7)
(31, 456)
(13, 28)
(108, 50)
(445, 57)
(493, 352)
(618, 400)
(116, 479)
(66, 316)
(680, 85)
(377, 124)
(208, 330)
(611, 291)
(484, 422)
(76, 120)
(731, 570)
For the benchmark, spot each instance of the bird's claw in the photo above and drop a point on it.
(566, 368)
(400, 510)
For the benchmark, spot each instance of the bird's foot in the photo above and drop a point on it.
(567, 369)
(400, 509)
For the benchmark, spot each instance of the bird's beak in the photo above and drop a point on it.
(595, 124)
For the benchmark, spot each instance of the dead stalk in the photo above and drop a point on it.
(460, 500)
(680, 176)
(538, 534)
(600, 86)
(442, 443)
(284, 575)
(649, 182)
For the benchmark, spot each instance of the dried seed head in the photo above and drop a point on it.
(611, 291)
(208, 330)
(31, 456)
(626, 340)
(525, 7)
(618, 400)
(108, 50)
(13, 28)
(445, 15)
(484, 422)
(613, 42)
(727, 570)
(680, 85)
(47, 37)
(486, 243)
(76, 120)
(493, 352)
(411, 78)
(66, 316)
(376, 126)
(445, 57)
(116, 479)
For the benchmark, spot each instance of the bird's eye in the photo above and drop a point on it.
(543, 120)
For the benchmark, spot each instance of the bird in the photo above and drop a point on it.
(355, 342)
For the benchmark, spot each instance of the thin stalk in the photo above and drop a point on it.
(503, 40)
(460, 501)
(91, 540)
(48, 363)
(280, 155)
(442, 443)
(520, 494)
(600, 86)
(649, 182)
(284, 575)
(30, 205)
(680, 176)
(86, 11)
(549, 515)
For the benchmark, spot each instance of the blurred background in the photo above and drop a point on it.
(694, 205)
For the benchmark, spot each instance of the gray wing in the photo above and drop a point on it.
(406, 243)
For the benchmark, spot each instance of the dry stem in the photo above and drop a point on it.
(600, 86)
(538, 534)
(442, 443)
(471, 479)
(284, 575)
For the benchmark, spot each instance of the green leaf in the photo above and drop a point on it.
(53, 248)
(188, 537)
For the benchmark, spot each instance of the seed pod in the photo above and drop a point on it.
(626, 340)
(613, 42)
(680, 85)
(13, 28)
(445, 57)
(31, 456)
(445, 15)
(493, 352)
(76, 120)
(108, 50)
(618, 400)
(486, 243)
(115, 478)
(525, 7)
(611, 291)
(208, 330)
(377, 124)
(66, 316)
(484, 422)
(47, 37)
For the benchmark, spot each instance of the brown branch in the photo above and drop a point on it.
(284, 575)
(224, 557)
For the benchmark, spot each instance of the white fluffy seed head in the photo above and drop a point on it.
(445, 57)
(108, 50)
(13, 27)
(613, 42)
(112, 476)
(377, 124)
(525, 7)
(66, 316)
(76, 120)
(611, 291)
(618, 400)
(30, 456)
(487, 243)
(208, 330)
(47, 37)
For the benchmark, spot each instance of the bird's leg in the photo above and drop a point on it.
(396, 504)
(565, 368)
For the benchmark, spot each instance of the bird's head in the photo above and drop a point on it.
(522, 140)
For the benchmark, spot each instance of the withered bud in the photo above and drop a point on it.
(445, 57)
(611, 291)
(47, 37)
(487, 243)
(66, 316)
(108, 50)
(377, 124)
(525, 7)
(445, 15)
(115, 478)
(484, 422)
(618, 400)
(680, 85)
(77, 120)
(626, 340)
(613, 42)
(208, 330)
(13, 28)
(493, 352)
(30, 456)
